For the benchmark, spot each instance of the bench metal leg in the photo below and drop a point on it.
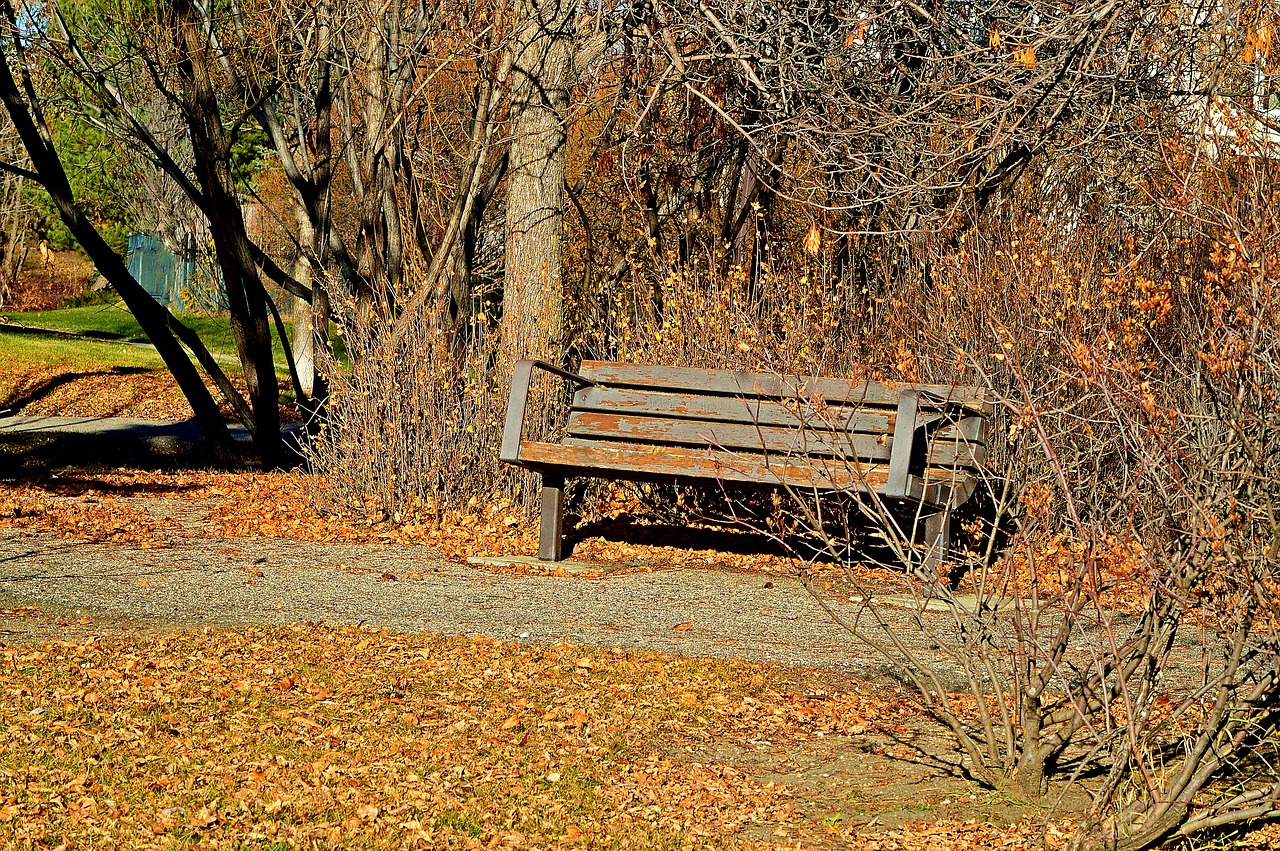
(551, 532)
(937, 537)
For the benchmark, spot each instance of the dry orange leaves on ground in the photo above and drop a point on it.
(88, 505)
(88, 518)
(310, 736)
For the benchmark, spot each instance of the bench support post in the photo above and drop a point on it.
(551, 531)
(898, 483)
(937, 537)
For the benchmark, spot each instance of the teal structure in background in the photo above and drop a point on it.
(159, 272)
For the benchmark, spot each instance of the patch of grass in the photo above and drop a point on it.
(459, 823)
(26, 357)
(110, 320)
(73, 354)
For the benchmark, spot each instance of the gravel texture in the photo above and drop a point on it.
(214, 581)
(204, 579)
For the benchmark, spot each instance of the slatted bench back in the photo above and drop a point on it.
(649, 423)
(752, 427)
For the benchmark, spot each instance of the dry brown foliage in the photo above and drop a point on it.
(90, 518)
(361, 738)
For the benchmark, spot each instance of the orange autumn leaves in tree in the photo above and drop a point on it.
(1024, 56)
(1257, 44)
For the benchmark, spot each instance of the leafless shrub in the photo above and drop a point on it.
(1127, 638)
(412, 430)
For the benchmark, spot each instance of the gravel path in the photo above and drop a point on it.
(214, 581)
(203, 579)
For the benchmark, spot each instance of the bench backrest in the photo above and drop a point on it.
(836, 421)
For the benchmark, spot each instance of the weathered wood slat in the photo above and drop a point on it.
(775, 440)
(840, 468)
(734, 409)
(644, 463)
(765, 412)
(733, 383)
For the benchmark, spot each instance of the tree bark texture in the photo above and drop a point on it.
(532, 302)
(246, 296)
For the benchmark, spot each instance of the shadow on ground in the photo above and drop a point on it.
(631, 530)
(30, 455)
(33, 447)
(29, 392)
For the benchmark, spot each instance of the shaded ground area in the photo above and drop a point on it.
(33, 444)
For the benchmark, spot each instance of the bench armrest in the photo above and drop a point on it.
(898, 482)
(519, 400)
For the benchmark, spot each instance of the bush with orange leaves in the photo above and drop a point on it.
(1127, 632)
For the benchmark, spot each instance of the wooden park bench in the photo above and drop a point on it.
(918, 447)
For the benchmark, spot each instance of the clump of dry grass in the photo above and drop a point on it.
(412, 429)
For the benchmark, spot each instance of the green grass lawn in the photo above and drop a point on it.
(71, 355)
(21, 355)
(111, 321)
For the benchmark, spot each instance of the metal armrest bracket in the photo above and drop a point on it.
(520, 380)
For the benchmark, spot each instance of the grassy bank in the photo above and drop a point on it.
(112, 322)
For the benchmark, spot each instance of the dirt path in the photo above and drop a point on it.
(212, 580)
(203, 578)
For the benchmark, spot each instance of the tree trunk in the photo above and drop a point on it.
(246, 296)
(14, 223)
(532, 301)
(156, 322)
(304, 333)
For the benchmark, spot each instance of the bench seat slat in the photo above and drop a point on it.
(664, 463)
(644, 463)
(830, 469)
(734, 383)
(944, 449)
